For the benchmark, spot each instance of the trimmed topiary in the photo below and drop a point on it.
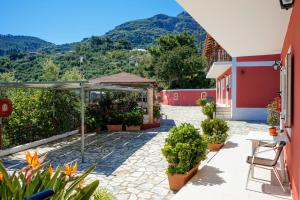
(184, 148)
(215, 130)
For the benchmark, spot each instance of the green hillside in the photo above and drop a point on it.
(142, 33)
(11, 44)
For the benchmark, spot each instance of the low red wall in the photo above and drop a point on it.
(185, 97)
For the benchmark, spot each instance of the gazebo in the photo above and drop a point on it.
(121, 81)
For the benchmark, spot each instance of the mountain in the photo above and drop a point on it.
(10, 44)
(143, 32)
(140, 33)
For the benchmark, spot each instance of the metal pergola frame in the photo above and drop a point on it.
(82, 86)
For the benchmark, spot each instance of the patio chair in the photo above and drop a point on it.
(258, 161)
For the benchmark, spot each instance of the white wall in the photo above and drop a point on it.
(257, 114)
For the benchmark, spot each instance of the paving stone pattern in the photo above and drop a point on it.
(130, 165)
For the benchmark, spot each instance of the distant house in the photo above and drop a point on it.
(244, 85)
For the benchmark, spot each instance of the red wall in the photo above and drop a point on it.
(259, 58)
(256, 87)
(185, 97)
(293, 149)
(218, 97)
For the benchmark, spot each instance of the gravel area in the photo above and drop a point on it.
(130, 165)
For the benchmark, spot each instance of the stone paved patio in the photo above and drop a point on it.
(130, 165)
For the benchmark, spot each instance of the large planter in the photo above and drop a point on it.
(133, 128)
(177, 181)
(111, 127)
(215, 147)
(273, 131)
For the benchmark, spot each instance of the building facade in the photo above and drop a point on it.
(255, 33)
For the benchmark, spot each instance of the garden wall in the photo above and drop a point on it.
(185, 97)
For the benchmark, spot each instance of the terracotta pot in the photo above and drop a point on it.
(272, 131)
(177, 181)
(111, 127)
(215, 147)
(133, 128)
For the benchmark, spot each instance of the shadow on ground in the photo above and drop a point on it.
(107, 150)
(208, 176)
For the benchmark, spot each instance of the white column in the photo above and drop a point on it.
(150, 104)
(233, 87)
(82, 98)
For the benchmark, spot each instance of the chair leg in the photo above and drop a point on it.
(252, 170)
(278, 178)
(249, 172)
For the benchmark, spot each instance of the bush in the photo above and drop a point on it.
(42, 113)
(156, 112)
(38, 176)
(201, 102)
(273, 114)
(215, 130)
(184, 148)
(134, 117)
(94, 116)
(115, 118)
(209, 109)
(102, 194)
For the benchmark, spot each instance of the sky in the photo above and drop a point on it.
(65, 21)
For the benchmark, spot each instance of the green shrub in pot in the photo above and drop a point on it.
(209, 109)
(184, 148)
(115, 118)
(215, 130)
(134, 117)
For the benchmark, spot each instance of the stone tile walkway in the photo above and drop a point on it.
(130, 165)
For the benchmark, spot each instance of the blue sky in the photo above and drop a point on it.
(63, 21)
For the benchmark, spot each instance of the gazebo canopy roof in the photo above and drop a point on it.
(122, 78)
(120, 81)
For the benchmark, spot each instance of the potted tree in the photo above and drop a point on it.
(134, 119)
(273, 117)
(184, 149)
(215, 133)
(115, 121)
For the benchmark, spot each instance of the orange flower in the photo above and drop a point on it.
(1, 177)
(70, 170)
(33, 160)
(50, 169)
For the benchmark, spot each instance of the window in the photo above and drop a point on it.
(286, 87)
(203, 95)
(175, 97)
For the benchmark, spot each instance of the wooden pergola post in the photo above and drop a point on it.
(150, 104)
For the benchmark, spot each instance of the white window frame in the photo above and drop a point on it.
(286, 88)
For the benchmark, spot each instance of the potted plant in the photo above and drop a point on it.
(156, 114)
(273, 117)
(184, 149)
(134, 119)
(201, 102)
(215, 133)
(209, 109)
(115, 121)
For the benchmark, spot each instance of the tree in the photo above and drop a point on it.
(7, 76)
(72, 75)
(176, 63)
(50, 70)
